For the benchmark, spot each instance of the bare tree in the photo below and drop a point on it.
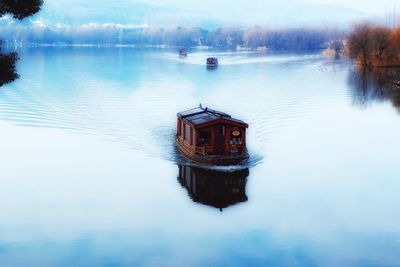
(395, 43)
(360, 44)
(381, 47)
(374, 46)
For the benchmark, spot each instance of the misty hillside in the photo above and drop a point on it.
(118, 34)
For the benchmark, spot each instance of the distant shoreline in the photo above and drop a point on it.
(13, 46)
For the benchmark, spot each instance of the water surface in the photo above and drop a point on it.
(90, 175)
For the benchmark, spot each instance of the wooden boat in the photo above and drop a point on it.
(182, 52)
(211, 137)
(212, 62)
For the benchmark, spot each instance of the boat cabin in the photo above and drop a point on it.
(212, 62)
(211, 136)
(182, 52)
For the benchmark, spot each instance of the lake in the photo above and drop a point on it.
(90, 175)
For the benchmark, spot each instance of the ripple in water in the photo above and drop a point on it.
(142, 117)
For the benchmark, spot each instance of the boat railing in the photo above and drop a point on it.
(201, 150)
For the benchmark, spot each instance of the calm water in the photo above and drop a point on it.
(90, 175)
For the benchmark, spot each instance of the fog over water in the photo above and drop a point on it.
(211, 14)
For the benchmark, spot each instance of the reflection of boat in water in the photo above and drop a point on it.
(397, 83)
(212, 137)
(182, 52)
(218, 189)
(212, 62)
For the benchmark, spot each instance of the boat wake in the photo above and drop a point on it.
(236, 58)
(142, 117)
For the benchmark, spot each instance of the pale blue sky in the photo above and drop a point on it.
(214, 12)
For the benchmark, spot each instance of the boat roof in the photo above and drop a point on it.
(200, 115)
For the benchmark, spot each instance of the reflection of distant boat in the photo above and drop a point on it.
(218, 189)
(182, 52)
(212, 62)
(397, 83)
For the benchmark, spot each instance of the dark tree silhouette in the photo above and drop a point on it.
(19, 9)
(7, 68)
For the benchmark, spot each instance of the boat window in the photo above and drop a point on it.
(182, 127)
(187, 133)
(204, 138)
(236, 137)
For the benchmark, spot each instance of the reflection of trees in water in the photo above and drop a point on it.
(8, 71)
(19, 9)
(379, 84)
(215, 188)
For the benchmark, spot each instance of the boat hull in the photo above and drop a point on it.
(220, 160)
(212, 66)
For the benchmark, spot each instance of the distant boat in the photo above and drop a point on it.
(242, 48)
(182, 52)
(212, 62)
(212, 137)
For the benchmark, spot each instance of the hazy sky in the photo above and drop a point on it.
(215, 12)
